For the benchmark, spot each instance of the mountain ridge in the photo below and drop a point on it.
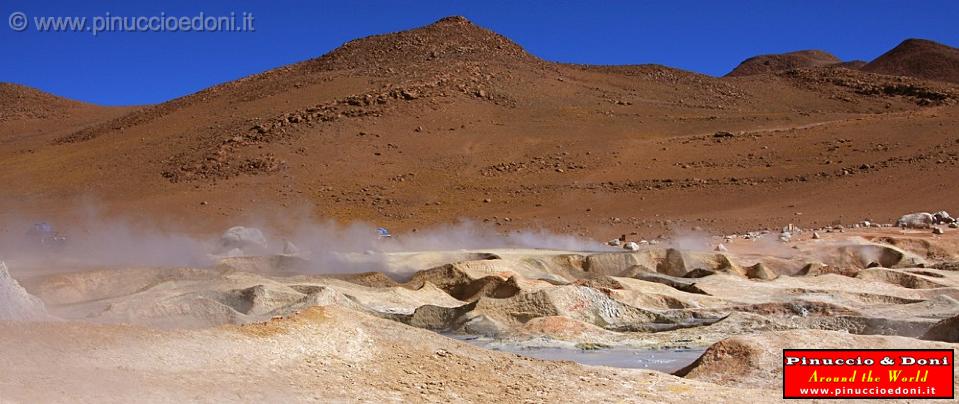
(387, 132)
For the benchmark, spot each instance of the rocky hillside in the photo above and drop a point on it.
(785, 61)
(22, 102)
(453, 121)
(919, 58)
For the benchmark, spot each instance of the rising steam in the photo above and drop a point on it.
(96, 240)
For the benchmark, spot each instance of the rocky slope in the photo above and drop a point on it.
(784, 61)
(453, 121)
(919, 58)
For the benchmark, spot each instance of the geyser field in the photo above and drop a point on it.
(266, 318)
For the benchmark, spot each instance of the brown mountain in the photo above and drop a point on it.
(31, 118)
(919, 58)
(451, 39)
(21, 102)
(453, 121)
(784, 61)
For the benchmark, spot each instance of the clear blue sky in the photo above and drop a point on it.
(119, 68)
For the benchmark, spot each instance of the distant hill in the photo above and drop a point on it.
(919, 58)
(22, 102)
(784, 61)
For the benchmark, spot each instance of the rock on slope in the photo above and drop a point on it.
(15, 302)
(919, 58)
(784, 61)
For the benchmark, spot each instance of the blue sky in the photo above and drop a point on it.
(122, 68)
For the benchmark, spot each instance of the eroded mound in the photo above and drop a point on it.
(756, 360)
(15, 303)
(785, 61)
(918, 58)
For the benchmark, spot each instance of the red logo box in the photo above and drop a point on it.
(869, 373)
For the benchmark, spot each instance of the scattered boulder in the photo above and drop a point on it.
(631, 246)
(942, 217)
(938, 230)
(921, 220)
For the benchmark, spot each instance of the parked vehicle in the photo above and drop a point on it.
(44, 235)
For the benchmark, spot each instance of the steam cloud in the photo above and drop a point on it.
(97, 240)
